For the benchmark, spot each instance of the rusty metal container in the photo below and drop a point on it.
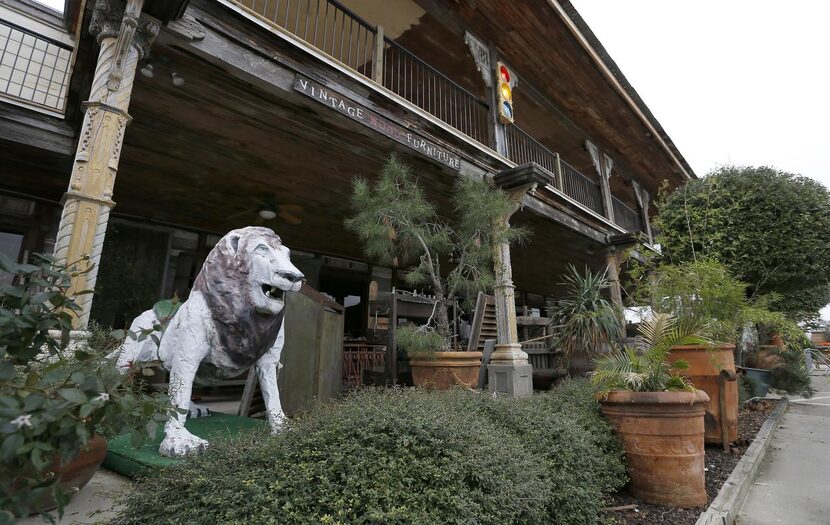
(445, 370)
(663, 437)
(705, 366)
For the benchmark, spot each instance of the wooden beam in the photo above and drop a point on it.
(23, 126)
(543, 209)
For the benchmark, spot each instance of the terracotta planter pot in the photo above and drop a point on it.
(765, 358)
(705, 365)
(446, 370)
(777, 341)
(76, 474)
(663, 437)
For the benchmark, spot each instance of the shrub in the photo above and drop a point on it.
(792, 377)
(54, 398)
(401, 456)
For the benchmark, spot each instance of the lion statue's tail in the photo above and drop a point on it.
(135, 351)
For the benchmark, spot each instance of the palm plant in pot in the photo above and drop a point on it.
(583, 322)
(657, 412)
(704, 292)
(398, 225)
(55, 399)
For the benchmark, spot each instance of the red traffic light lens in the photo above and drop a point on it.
(505, 73)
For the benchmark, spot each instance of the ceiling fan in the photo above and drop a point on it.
(269, 210)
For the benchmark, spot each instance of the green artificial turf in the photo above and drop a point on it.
(127, 460)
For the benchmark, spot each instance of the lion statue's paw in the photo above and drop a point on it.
(277, 421)
(179, 443)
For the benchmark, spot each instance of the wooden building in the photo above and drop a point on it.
(200, 116)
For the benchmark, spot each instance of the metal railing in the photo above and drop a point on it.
(581, 188)
(522, 148)
(326, 25)
(33, 69)
(359, 358)
(410, 77)
(337, 31)
(625, 217)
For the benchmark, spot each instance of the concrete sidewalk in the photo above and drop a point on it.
(793, 483)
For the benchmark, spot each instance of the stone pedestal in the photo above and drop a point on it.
(509, 373)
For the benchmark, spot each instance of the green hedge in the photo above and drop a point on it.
(402, 456)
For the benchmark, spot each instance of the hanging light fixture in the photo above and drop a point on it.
(147, 70)
(178, 80)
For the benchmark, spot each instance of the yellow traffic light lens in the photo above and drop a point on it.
(505, 92)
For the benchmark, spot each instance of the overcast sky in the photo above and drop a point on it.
(733, 81)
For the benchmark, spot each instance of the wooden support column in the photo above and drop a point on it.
(377, 61)
(613, 264)
(499, 139)
(603, 165)
(509, 371)
(643, 203)
(124, 35)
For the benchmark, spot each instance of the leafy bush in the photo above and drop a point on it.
(53, 398)
(402, 456)
(701, 290)
(792, 377)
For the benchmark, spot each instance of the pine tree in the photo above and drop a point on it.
(397, 224)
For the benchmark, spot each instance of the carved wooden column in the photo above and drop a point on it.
(603, 164)
(643, 202)
(613, 263)
(124, 35)
(509, 371)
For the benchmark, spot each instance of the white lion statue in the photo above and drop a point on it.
(232, 320)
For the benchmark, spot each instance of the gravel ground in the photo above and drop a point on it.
(719, 466)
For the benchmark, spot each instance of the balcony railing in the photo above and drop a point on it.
(434, 92)
(522, 148)
(34, 69)
(626, 217)
(581, 188)
(332, 28)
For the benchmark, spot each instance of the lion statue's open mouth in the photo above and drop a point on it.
(272, 292)
(232, 320)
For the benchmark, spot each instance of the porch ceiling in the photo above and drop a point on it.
(195, 155)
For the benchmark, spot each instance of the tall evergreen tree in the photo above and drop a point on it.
(399, 225)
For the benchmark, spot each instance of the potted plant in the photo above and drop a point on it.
(703, 292)
(398, 224)
(657, 412)
(583, 322)
(56, 400)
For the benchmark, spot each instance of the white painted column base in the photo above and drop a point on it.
(509, 372)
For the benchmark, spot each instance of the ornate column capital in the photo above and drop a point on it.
(125, 22)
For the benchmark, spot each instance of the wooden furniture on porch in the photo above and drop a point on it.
(385, 314)
(311, 358)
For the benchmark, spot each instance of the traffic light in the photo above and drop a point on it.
(505, 81)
